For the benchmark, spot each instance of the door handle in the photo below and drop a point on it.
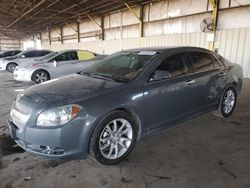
(222, 73)
(189, 82)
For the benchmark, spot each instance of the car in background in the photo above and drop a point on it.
(55, 64)
(104, 110)
(10, 63)
(9, 53)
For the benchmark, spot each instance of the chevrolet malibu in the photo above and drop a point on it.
(104, 110)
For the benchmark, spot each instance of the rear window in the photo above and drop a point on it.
(202, 61)
(42, 53)
(85, 55)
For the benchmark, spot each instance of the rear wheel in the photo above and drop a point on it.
(11, 67)
(113, 139)
(40, 76)
(227, 103)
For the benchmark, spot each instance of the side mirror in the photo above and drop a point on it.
(55, 63)
(22, 56)
(159, 74)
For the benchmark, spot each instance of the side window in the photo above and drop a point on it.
(173, 66)
(42, 53)
(202, 61)
(85, 55)
(30, 54)
(68, 56)
(8, 53)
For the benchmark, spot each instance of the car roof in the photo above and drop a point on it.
(37, 50)
(72, 50)
(165, 48)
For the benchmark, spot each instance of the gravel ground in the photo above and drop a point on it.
(204, 152)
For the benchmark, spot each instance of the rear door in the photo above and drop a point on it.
(85, 59)
(171, 93)
(209, 74)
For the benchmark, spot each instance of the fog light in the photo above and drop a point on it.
(52, 150)
(46, 149)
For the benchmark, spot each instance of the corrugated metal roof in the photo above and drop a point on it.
(25, 17)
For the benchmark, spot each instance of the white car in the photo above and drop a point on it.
(10, 63)
(54, 65)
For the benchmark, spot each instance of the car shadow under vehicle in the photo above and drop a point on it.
(8, 146)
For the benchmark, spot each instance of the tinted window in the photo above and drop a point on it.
(203, 61)
(173, 66)
(69, 56)
(30, 54)
(42, 53)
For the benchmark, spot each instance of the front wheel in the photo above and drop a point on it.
(227, 103)
(11, 67)
(40, 76)
(113, 138)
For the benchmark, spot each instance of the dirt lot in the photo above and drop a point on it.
(204, 152)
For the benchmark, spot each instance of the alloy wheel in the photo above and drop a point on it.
(41, 77)
(115, 138)
(229, 101)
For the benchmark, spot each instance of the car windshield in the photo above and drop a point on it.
(48, 56)
(121, 66)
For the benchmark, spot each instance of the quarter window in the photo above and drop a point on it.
(173, 66)
(85, 55)
(203, 61)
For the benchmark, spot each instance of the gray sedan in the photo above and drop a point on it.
(130, 94)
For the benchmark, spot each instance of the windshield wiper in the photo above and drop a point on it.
(83, 73)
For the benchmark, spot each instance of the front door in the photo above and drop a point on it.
(170, 94)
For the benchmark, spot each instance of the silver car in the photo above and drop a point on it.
(54, 65)
(104, 110)
(10, 63)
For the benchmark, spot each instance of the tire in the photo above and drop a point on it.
(110, 145)
(40, 76)
(227, 103)
(11, 67)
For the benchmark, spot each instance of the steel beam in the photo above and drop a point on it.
(139, 18)
(215, 6)
(24, 14)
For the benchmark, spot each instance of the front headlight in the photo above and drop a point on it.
(58, 116)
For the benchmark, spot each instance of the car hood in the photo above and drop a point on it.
(68, 89)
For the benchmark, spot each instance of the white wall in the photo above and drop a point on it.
(165, 23)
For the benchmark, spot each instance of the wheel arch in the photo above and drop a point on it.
(40, 69)
(135, 118)
(124, 109)
(11, 62)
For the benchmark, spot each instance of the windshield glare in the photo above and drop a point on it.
(122, 66)
(48, 56)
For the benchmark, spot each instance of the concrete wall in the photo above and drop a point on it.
(7, 43)
(169, 22)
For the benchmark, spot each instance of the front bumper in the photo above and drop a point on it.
(22, 76)
(62, 142)
(2, 66)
